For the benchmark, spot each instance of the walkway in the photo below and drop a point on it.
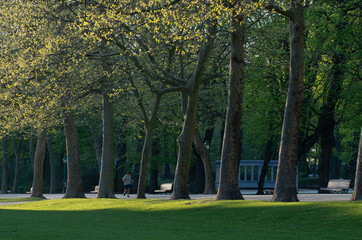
(303, 196)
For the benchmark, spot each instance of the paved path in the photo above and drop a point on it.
(303, 196)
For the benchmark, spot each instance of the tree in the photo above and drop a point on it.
(285, 186)
(4, 178)
(37, 188)
(228, 184)
(357, 193)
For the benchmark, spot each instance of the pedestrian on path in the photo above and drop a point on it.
(127, 180)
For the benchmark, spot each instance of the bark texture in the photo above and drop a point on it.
(229, 168)
(17, 146)
(74, 173)
(53, 184)
(187, 134)
(106, 179)
(37, 189)
(285, 186)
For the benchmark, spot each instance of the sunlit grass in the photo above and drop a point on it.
(25, 199)
(184, 219)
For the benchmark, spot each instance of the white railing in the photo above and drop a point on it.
(249, 173)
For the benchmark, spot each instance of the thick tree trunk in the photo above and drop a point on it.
(229, 169)
(106, 179)
(4, 181)
(187, 134)
(17, 145)
(205, 157)
(146, 150)
(285, 186)
(357, 193)
(37, 189)
(74, 173)
(53, 183)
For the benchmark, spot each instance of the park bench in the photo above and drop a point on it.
(337, 186)
(165, 188)
(96, 189)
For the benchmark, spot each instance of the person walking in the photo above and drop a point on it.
(127, 180)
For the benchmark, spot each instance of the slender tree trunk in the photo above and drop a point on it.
(37, 189)
(229, 168)
(205, 157)
(96, 140)
(106, 180)
(150, 126)
(187, 134)
(4, 181)
(17, 146)
(153, 179)
(267, 157)
(74, 173)
(357, 193)
(285, 186)
(53, 183)
(31, 149)
(327, 120)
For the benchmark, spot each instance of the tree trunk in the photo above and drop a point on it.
(153, 179)
(150, 126)
(205, 157)
(229, 168)
(327, 120)
(31, 149)
(285, 186)
(53, 183)
(17, 146)
(4, 180)
(187, 134)
(37, 189)
(106, 179)
(267, 157)
(96, 140)
(74, 173)
(357, 193)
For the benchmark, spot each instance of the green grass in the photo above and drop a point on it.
(26, 199)
(186, 219)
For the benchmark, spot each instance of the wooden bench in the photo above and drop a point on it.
(337, 186)
(96, 189)
(165, 188)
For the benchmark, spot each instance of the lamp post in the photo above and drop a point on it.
(64, 171)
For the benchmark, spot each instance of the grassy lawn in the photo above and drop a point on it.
(186, 219)
(27, 199)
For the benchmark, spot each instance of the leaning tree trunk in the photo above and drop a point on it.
(74, 172)
(106, 179)
(17, 145)
(357, 193)
(52, 166)
(150, 126)
(187, 134)
(285, 185)
(205, 157)
(4, 180)
(268, 155)
(37, 189)
(229, 168)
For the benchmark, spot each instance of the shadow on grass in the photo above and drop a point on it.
(159, 219)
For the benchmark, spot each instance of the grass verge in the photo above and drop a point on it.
(184, 219)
